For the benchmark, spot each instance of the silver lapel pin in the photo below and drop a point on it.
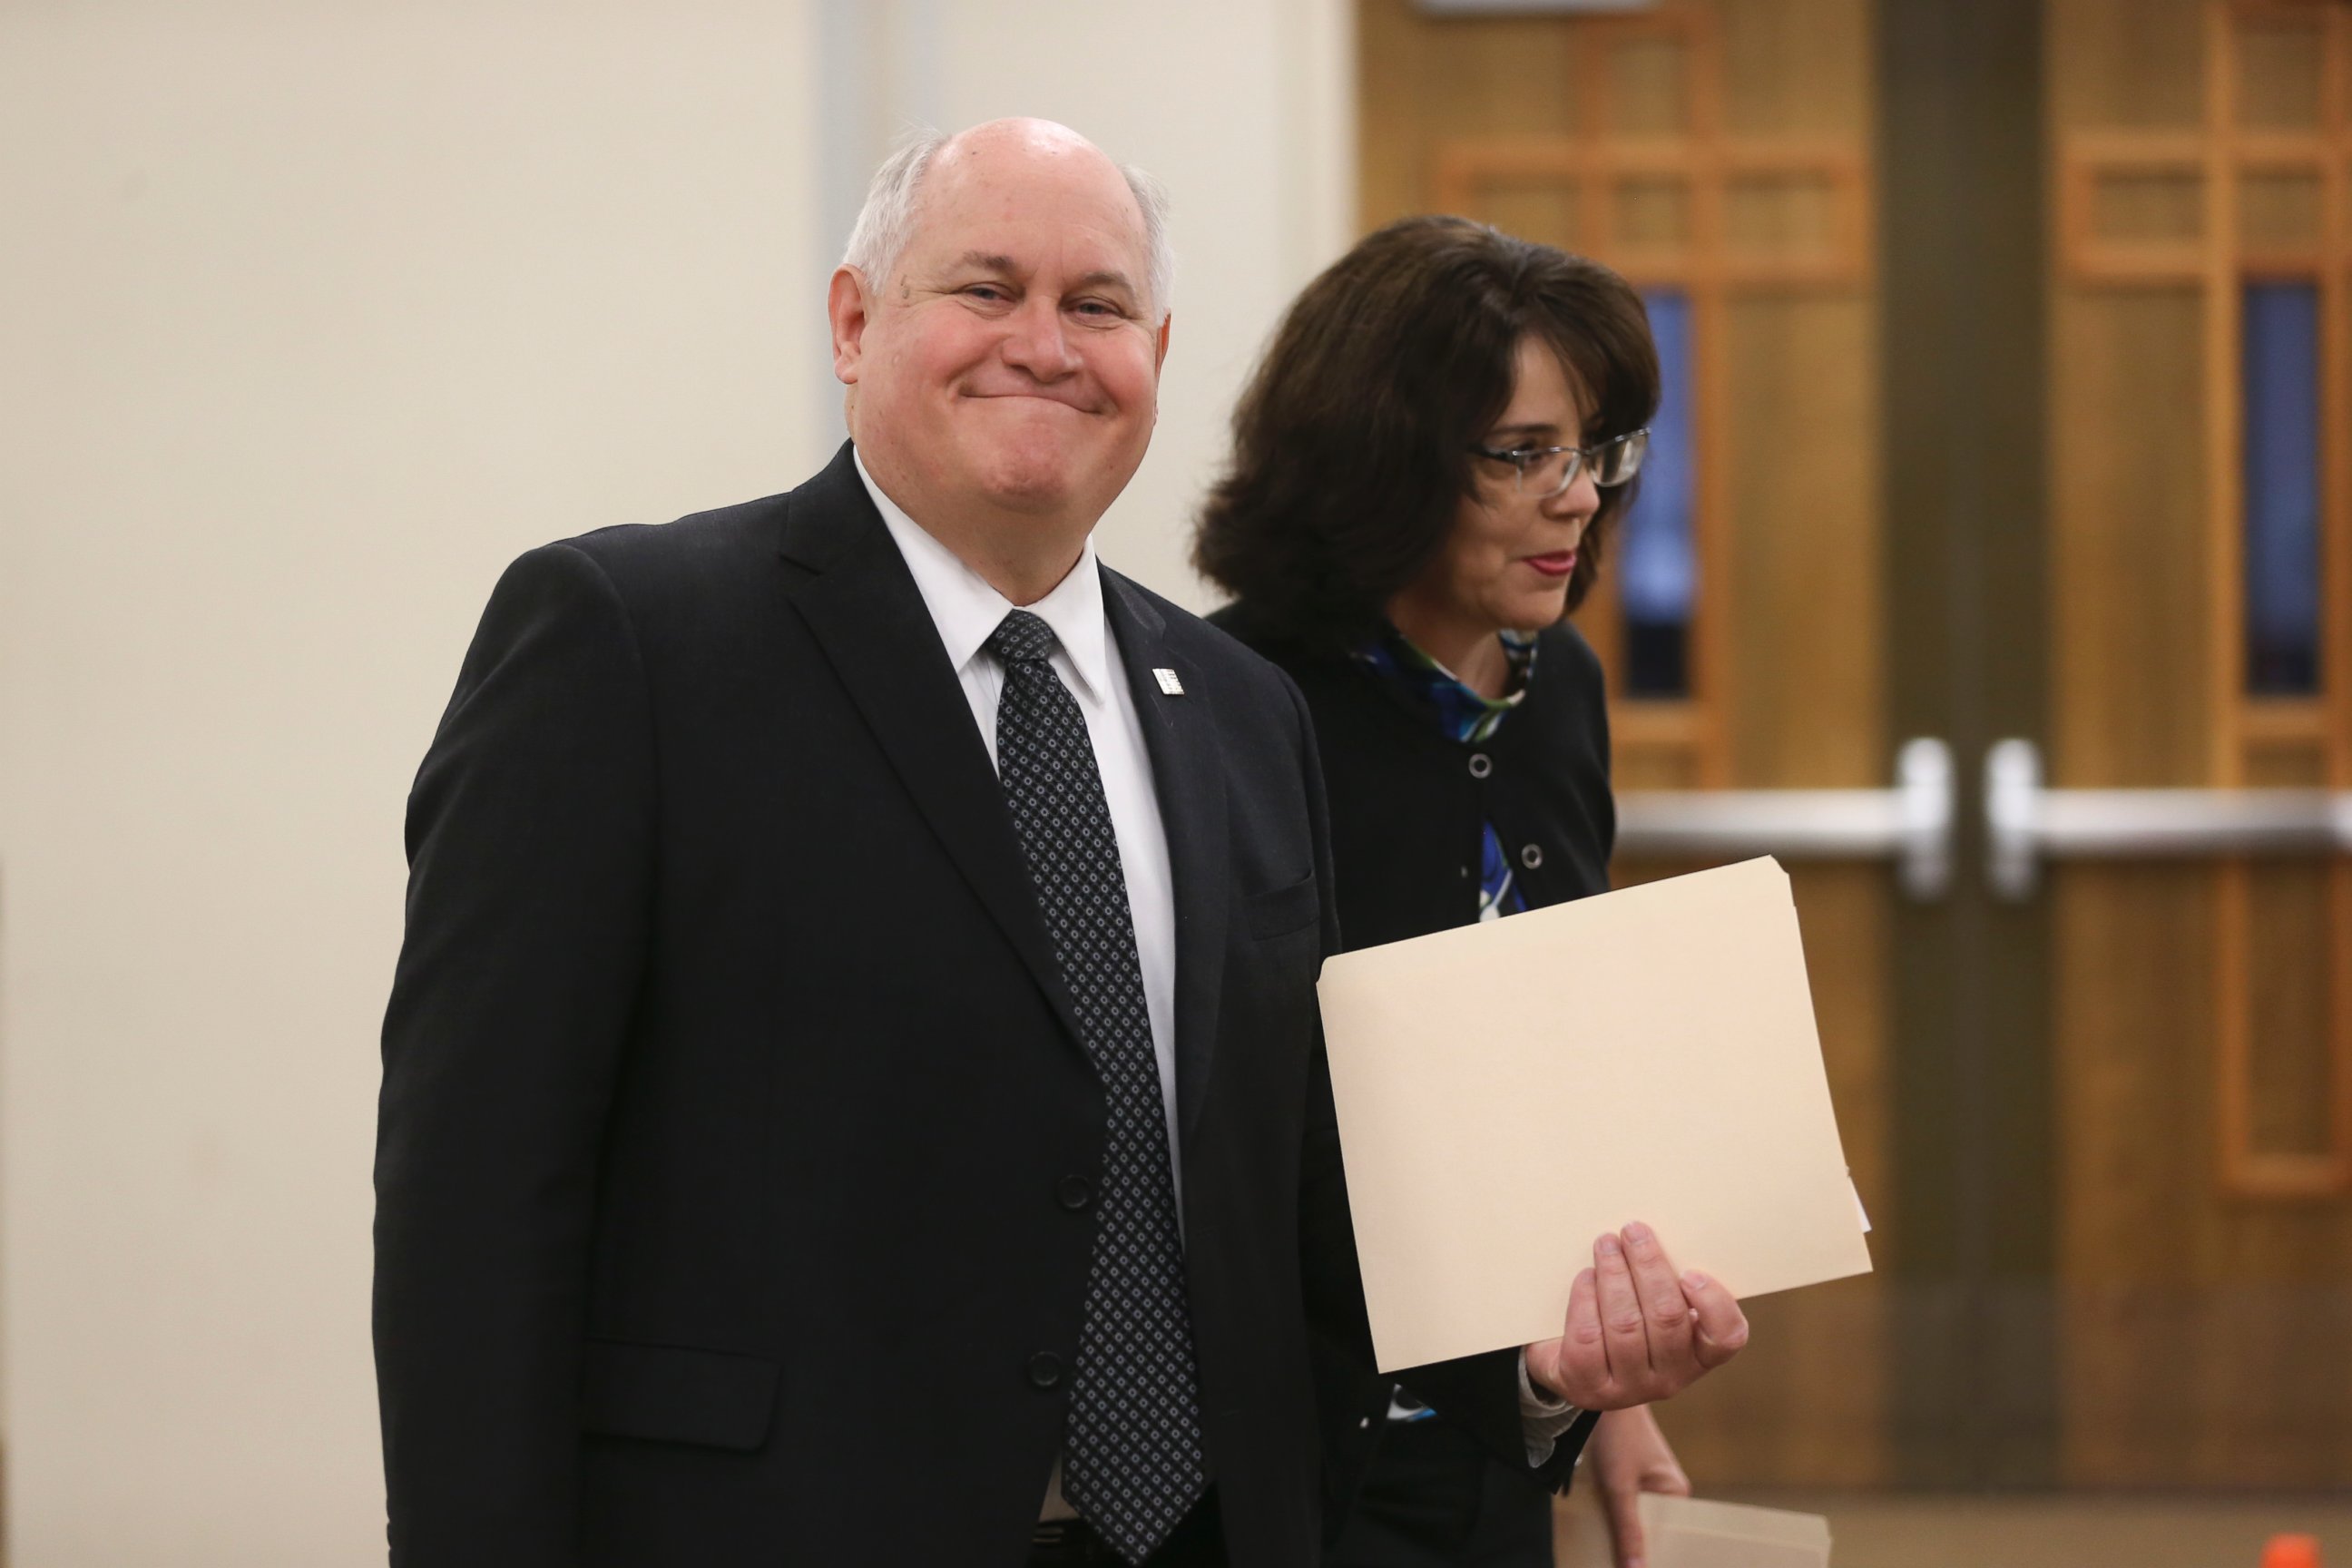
(1169, 685)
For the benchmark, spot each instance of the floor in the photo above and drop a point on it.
(1934, 1531)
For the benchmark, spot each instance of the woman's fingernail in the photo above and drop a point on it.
(1695, 1279)
(1609, 1246)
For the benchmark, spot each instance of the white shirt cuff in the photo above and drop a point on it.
(1542, 1418)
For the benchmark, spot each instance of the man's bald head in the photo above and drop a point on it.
(999, 323)
(893, 201)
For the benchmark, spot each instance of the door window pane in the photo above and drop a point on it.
(2282, 543)
(1658, 576)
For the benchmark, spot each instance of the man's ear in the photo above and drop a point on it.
(1159, 350)
(845, 306)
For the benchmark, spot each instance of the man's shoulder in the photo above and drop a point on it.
(730, 547)
(676, 586)
(692, 545)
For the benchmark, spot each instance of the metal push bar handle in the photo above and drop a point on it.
(2026, 822)
(1910, 824)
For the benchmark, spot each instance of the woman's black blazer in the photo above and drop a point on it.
(1408, 804)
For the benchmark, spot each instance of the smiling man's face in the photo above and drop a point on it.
(1007, 374)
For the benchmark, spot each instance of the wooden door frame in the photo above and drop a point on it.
(1962, 269)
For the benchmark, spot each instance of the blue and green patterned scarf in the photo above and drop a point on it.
(1469, 718)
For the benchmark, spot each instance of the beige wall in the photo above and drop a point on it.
(311, 316)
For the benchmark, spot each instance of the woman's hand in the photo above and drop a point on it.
(1634, 1333)
(1627, 1456)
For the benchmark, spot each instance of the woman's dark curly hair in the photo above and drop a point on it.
(1351, 443)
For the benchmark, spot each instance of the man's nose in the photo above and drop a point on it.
(1037, 341)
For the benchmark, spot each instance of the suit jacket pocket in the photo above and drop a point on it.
(1281, 910)
(673, 1394)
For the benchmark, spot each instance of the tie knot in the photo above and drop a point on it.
(1021, 637)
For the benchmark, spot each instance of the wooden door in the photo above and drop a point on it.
(2202, 565)
(2110, 1131)
(1716, 152)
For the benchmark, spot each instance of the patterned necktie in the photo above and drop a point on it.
(1131, 1459)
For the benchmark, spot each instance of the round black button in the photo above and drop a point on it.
(1481, 764)
(1045, 1369)
(1075, 1191)
(1532, 857)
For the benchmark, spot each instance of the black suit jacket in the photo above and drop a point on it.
(735, 1143)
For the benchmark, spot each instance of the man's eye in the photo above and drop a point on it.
(1102, 309)
(988, 292)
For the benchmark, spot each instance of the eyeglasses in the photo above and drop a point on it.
(1544, 471)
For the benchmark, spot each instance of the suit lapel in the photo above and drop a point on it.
(1188, 773)
(866, 612)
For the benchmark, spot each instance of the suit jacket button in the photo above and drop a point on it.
(1045, 1369)
(1075, 1191)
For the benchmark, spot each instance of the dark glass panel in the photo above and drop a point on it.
(2282, 542)
(1657, 573)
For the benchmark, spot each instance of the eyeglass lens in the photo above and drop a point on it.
(1613, 463)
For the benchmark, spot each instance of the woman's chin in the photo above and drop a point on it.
(1531, 613)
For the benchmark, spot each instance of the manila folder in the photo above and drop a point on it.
(1509, 1090)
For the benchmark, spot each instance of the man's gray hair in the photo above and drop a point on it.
(886, 222)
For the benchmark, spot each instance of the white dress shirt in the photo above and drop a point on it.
(965, 609)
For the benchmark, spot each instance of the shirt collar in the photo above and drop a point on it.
(966, 609)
